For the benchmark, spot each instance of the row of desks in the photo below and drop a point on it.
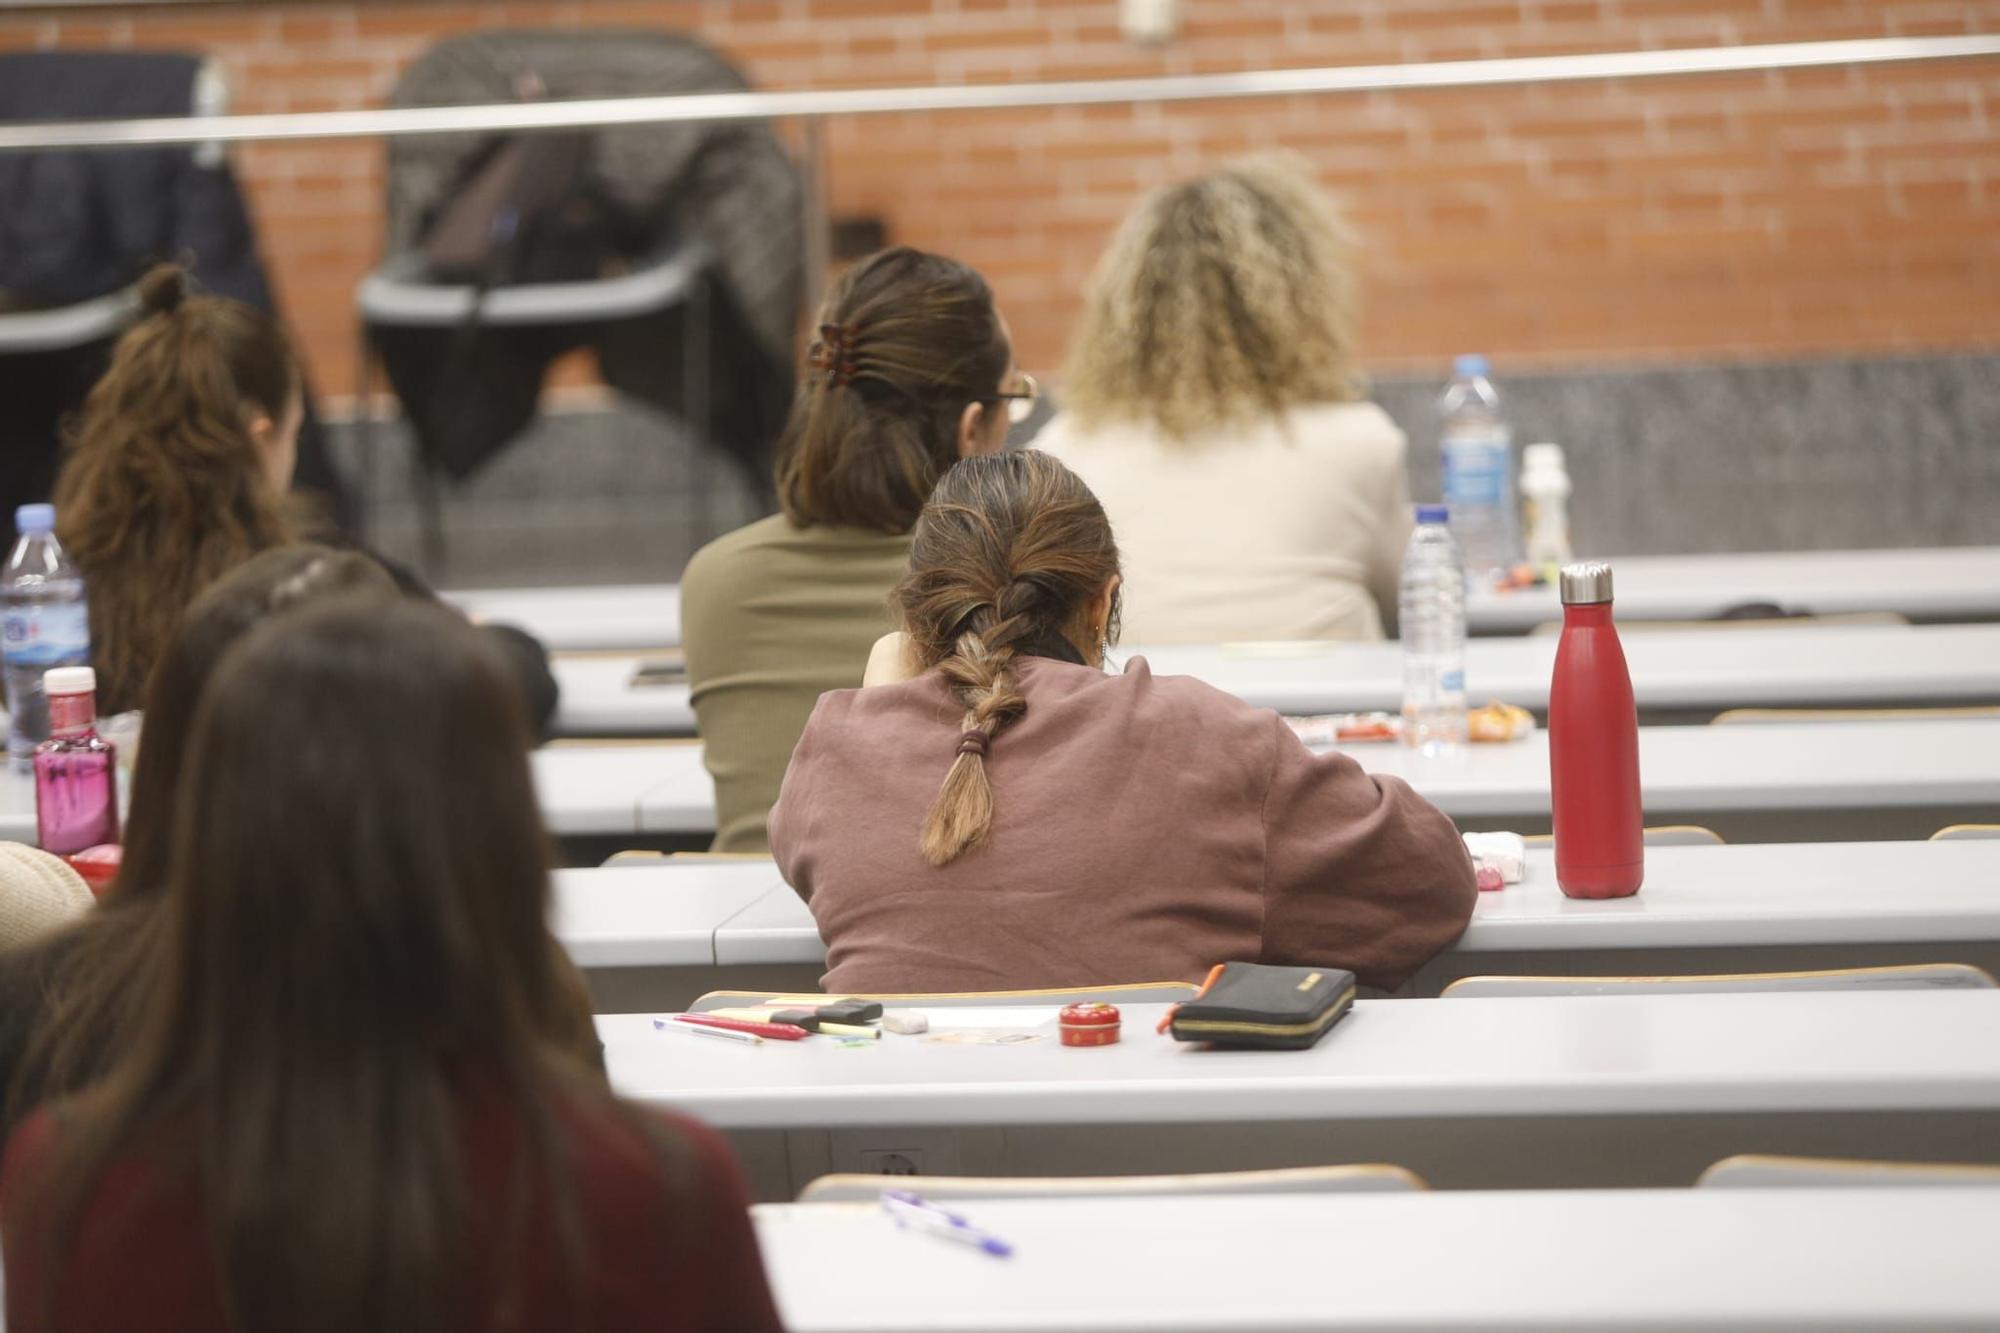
(1518, 1092)
(1955, 583)
(658, 935)
(1934, 771)
(1672, 671)
(1544, 1259)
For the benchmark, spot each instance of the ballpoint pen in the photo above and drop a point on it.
(912, 1210)
(699, 1030)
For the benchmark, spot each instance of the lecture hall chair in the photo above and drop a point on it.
(1756, 1171)
(1145, 992)
(1912, 976)
(1373, 1178)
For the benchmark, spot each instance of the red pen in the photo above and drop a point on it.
(776, 1031)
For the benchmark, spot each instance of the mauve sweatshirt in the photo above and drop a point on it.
(1144, 829)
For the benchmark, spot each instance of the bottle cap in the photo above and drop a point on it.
(35, 520)
(1470, 364)
(1587, 582)
(1542, 455)
(69, 680)
(1433, 513)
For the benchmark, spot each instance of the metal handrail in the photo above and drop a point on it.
(514, 116)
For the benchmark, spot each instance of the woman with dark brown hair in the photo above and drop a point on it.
(179, 470)
(910, 371)
(351, 1103)
(64, 998)
(1000, 813)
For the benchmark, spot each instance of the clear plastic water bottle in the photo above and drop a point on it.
(44, 624)
(1478, 472)
(1433, 627)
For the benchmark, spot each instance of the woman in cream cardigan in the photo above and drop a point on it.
(1213, 405)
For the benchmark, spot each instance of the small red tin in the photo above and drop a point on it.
(1089, 1024)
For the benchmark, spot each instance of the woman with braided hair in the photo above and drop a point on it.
(911, 369)
(1001, 813)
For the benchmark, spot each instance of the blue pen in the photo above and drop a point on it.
(912, 1210)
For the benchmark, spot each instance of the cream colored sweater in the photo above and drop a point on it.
(1293, 528)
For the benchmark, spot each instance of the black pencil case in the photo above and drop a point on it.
(1278, 1008)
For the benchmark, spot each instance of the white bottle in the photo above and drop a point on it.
(1545, 492)
(1433, 629)
(1478, 459)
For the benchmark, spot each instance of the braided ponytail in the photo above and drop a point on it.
(1006, 557)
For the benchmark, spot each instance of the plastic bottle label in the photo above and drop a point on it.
(1452, 682)
(1475, 471)
(47, 635)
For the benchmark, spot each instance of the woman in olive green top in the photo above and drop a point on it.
(911, 369)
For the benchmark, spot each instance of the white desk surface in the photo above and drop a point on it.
(597, 698)
(1961, 581)
(663, 915)
(1533, 1259)
(17, 806)
(587, 789)
(1794, 666)
(1808, 1052)
(1779, 667)
(628, 615)
(1944, 582)
(1844, 765)
(1695, 897)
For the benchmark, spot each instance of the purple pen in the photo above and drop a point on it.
(912, 1210)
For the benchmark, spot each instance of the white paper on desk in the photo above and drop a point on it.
(1019, 1016)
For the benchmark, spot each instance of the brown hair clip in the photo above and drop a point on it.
(974, 741)
(833, 354)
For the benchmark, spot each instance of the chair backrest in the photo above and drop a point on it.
(1913, 976)
(1369, 1179)
(1966, 832)
(1753, 1171)
(1147, 992)
(1660, 835)
(1787, 716)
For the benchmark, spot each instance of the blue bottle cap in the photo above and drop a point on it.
(1433, 513)
(1470, 364)
(36, 520)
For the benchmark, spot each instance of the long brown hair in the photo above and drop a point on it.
(91, 997)
(1222, 300)
(163, 490)
(906, 340)
(353, 940)
(1006, 559)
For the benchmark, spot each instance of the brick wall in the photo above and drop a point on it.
(1752, 215)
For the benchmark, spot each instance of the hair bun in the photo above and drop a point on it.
(163, 289)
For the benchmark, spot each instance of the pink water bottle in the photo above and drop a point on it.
(76, 770)
(1594, 746)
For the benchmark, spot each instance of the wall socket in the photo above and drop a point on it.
(895, 1152)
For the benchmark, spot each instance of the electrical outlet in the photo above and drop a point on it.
(895, 1152)
(892, 1161)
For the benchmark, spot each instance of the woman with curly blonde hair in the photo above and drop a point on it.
(1214, 407)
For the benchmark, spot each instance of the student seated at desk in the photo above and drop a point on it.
(179, 473)
(353, 1101)
(1004, 814)
(69, 998)
(911, 370)
(1213, 405)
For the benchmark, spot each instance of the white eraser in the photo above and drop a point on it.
(903, 1022)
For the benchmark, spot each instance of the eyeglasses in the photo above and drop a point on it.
(1021, 403)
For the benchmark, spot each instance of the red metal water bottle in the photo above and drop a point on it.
(1594, 746)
